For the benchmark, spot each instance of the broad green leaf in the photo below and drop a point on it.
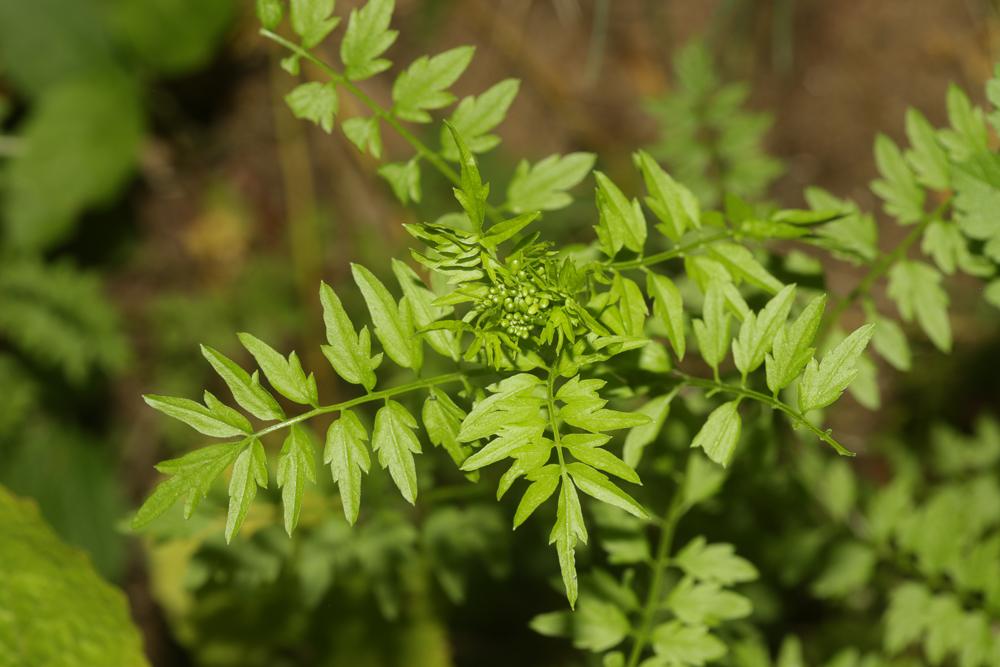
(404, 179)
(421, 300)
(195, 415)
(513, 401)
(854, 235)
(285, 375)
(596, 625)
(296, 466)
(366, 135)
(907, 617)
(916, 289)
(792, 348)
(702, 480)
(668, 307)
(536, 494)
(757, 333)
(57, 611)
(715, 563)
(712, 330)
(367, 37)
(249, 472)
(348, 352)
(706, 603)
(679, 644)
(622, 222)
(849, 569)
(926, 155)
(568, 529)
(442, 421)
(394, 324)
(587, 449)
(192, 476)
(246, 389)
(314, 101)
(891, 343)
(741, 263)
(720, 434)
(394, 440)
(506, 229)
(269, 13)
(348, 457)
(968, 135)
(510, 439)
(640, 436)
(823, 382)
(904, 198)
(227, 414)
(475, 117)
(597, 485)
(424, 84)
(584, 408)
(472, 193)
(543, 186)
(672, 203)
(312, 20)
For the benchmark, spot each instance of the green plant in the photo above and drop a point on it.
(515, 348)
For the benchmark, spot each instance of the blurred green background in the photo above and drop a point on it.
(156, 193)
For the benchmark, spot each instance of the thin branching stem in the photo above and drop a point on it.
(422, 149)
(550, 397)
(674, 253)
(744, 392)
(661, 561)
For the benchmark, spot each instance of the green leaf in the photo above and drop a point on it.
(792, 348)
(712, 330)
(193, 475)
(513, 401)
(672, 203)
(442, 421)
(916, 289)
(227, 414)
(314, 101)
(848, 570)
(395, 442)
(891, 343)
(312, 20)
(904, 198)
(716, 563)
(394, 324)
(823, 382)
(568, 529)
(585, 409)
(679, 644)
(348, 352)
(720, 433)
(543, 186)
(403, 178)
(296, 466)
(365, 134)
(285, 375)
(475, 117)
(246, 389)
(56, 609)
(622, 222)
(348, 457)
(195, 415)
(758, 331)
(968, 135)
(743, 265)
(421, 300)
(706, 603)
(269, 13)
(640, 436)
(472, 193)
(907, 616)
(595, 626)
(927, 157)
(702, 480)
(668, 307)
(249, 472)
(536, 494)
(587, 449)
(506, 229)
(597, 485)
(367, 37)
(854, 236)
(423, 85)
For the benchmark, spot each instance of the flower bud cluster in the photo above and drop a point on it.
(520, 304)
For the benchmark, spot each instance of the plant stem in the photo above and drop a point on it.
(744, 392)
(666, 255)
(550, 396)
(422, 149)
(668, 525)
(879, 269)
(367, 398)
